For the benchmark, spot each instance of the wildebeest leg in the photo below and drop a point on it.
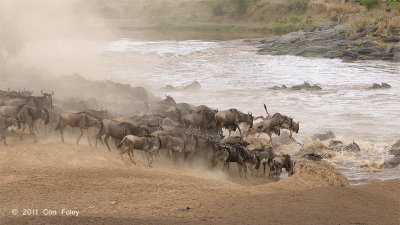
(148, 157)
(77, 141)
(259, 134)
(240, 169)
(291, 133)
(32, 131)
(3, 135)
(106, 141)
(130, 153)
(22, 132)
(240, 131)
(62, 133)
(87, 134)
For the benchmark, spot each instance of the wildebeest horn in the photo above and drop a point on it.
(265, 107)
(52, 92)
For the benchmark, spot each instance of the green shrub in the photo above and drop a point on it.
(369, 4)
(392, 3)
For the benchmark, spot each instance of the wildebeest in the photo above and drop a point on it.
(230, 119)
(203, 119)
(272, 124)
(242, 157)
(149, 145)
(77, 119)
(277, 163)
(28, 115)
(6, 123)
(172, 144)
(312, 156)
(118, 130)
(265, 154)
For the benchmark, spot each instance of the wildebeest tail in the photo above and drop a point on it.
(122, 143)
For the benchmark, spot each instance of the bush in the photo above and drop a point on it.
(392, 3)
(216, 7)
(369, 4)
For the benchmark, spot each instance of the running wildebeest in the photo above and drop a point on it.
(202, 119)
(277, 163)
(118, 130)
(230, 119)
(242, 157)
(273, 124)
(6, 123)
(28, 115)
(78, 119)
(149, 145)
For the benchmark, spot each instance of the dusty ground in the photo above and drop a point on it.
(106, 190)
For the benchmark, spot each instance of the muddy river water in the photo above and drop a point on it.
(232, 75)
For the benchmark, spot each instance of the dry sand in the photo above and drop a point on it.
(106, 190)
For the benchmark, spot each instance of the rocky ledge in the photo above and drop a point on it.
(330, 41)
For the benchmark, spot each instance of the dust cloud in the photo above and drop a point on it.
(54, 37)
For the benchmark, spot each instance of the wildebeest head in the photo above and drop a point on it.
(48, 99)
(154, 143)
(247, 118)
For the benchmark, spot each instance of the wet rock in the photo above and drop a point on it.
(278, 88)
(391, 39)
(193, 86)
(389, 49)
(349, 54)
(396, 57)
(378, 86)
(393, 162)
(306, 86)
(312, 156)
(330, 55)
(313, 51)
(325, 136)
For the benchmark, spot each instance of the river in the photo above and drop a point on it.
(232, 75)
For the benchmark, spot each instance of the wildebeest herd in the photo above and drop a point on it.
(177, 131)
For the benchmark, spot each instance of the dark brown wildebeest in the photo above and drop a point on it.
(78, 119)
(202, 119)
(230, 119)
(6, 123)
(277, 163)
(118, 130)
(28, 115)
(242, 157)
(220, 155)
(149, 145)
(264, 154)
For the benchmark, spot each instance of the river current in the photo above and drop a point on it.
(232, 75)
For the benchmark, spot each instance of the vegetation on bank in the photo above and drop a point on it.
(266, 16)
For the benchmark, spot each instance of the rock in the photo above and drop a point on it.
(349, 54)
(378, 86)
(323, 137)
(375, 86)
(312, 51)
(389, 49)
(393, 162)
(396, 57)
(366, 51)
(330, 55)
(391, 39)
(193, 86)
(306, 86)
